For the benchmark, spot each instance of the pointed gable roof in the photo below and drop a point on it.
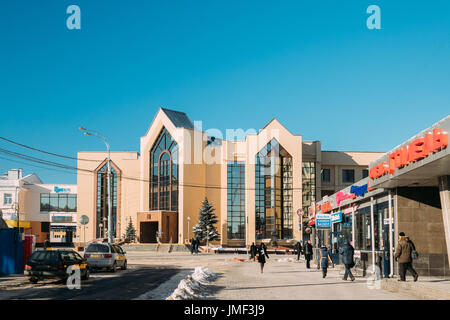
(179, 119)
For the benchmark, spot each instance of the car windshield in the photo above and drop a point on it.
(47, 256)
(96, 247)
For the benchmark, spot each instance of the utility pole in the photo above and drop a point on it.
(108, 191)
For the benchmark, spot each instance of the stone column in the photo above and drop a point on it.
(444, 193)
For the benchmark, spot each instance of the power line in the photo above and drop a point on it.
(66, 167)
(46, 152)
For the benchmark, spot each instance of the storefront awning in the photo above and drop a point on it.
(23, 224)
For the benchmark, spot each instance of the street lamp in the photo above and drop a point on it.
(88, 132)
(207, 238)
(189, 230)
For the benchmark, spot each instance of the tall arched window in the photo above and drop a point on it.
(102, 203)
(273, 182)
(164, 173)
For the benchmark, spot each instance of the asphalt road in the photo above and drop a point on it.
(121, 285)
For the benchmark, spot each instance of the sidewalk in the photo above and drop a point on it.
(284, 278)
(426, 288)
(13, 280)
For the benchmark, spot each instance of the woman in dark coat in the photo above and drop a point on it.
(347, 252)
(324, 257)
(262, 254)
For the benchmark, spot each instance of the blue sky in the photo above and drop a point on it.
(314, 65)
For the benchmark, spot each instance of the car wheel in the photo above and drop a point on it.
(124, 267)
(114, 267)
(34, 280)
(86, 275)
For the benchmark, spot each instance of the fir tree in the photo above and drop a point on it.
(130, 233)
(206, 219)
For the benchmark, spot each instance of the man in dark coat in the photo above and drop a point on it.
(308, 251)
(192, 245)
(196, 245)
(347, 252)
(298, 249)
(403, 256)
(253, 252)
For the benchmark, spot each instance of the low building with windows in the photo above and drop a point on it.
(257, 181)
(46, 211)
(408, 191)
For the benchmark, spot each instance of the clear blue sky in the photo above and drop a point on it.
(314, 65)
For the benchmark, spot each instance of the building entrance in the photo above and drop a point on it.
(148, 232)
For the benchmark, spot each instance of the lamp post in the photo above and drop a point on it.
(189, 230)
(108, 178)
(207, 238)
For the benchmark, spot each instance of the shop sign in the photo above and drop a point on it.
(312, 222)
(312, 210)
(58, 190)
(340, 196)
(388, 220)
(414, 151)
(360, 191)
(323, 221)
(326, 207)
(336, 217)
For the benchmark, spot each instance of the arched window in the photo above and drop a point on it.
(164, 173)
(273, 184)
(102, 201)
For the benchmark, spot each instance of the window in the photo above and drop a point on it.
(365, 173)
(324, 193)
(236, 200)
(308, 184)
(7, 199)
(45, 226)
(97, 247)
(273, 192)
(325, 175)
(348, 175)
(102, 200)
(164, 173)
(58, 202)
(61, 219)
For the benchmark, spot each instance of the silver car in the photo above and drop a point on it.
(105, 255)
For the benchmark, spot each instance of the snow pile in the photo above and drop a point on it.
(203, 275)
(193, 287)
(286, 260)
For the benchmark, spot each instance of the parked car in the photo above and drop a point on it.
(49, 263)
(105, 255)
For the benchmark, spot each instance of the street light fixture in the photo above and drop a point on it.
(88, 132)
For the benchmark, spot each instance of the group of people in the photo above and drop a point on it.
(306, 250)
(404, 254)
(195, 243)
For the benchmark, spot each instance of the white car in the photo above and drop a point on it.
(105, 255)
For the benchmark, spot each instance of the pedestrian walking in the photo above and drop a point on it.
(308, 252)
(298, 249)
(324, 258)
(262, 254)
(253, 252)
(192, 245)
(403, 253)
(197, 244)
(347, 252)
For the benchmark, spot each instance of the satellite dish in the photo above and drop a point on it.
(84, 220)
